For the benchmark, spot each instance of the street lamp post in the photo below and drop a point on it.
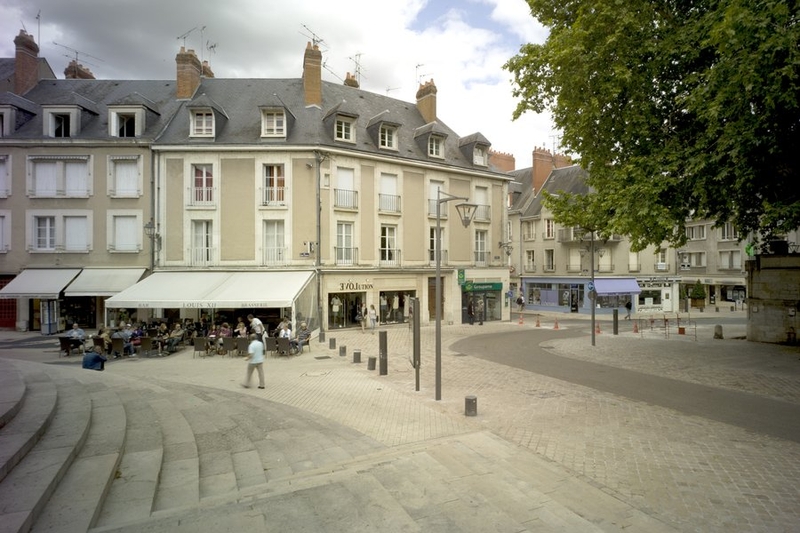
(465, 211)
(150, 231)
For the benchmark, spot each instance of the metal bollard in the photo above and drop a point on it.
(383, 352)
(371, 363)
(342, 351)
(332, 343)
(356, 356)
(471, 405)
(321, 336)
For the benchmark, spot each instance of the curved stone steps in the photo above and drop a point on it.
(37, 409)
(27, 488)
(12, 392)
(76, 503)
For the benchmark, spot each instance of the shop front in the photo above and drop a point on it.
(390, 295)
(39, 295)
(483, 299)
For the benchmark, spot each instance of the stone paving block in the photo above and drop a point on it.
(131, 495)
(22, 433)
(12, 391)
(248, 469)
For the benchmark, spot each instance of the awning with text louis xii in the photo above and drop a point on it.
(213, 290)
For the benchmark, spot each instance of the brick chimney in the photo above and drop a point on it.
(189, 70)
(351, 81)
(26, 63)
(426, 101)
(76, 71)
(502, 161)
(207, 72)
(544, 162)
(312, 75)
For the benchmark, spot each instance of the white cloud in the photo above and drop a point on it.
(462, 45)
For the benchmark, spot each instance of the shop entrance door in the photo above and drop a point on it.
(342, 309)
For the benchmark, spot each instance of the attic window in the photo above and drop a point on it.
(479, 156)
(388, 137)
(436, 146)
(60, 125)
(273, 123)
(126, 125)
(345, 130)
(61, 122)
(202, 123)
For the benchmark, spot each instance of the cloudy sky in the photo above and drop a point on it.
(460, 44)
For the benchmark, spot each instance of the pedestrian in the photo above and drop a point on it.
(471, 312)
(257, 327)
(628, 306)
(373, 317)
(520, 303)
(410, 317)
(360, 318)
(256, 361)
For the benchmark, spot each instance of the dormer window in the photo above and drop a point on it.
(61, 122)
(202, 123)
(479, 156)
(126, 122)
(345, 130)
(388, 137)
(436, 146)
(273, 123)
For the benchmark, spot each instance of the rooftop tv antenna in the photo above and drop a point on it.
(388, 89)
(358, 68)
(418, 75)
(185, 35)
(325, 66)
(316, 40)
(75, 54)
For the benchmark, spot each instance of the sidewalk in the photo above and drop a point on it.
(688, 472)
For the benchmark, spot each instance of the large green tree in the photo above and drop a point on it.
(677, 108)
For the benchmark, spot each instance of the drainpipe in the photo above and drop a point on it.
(318, 157)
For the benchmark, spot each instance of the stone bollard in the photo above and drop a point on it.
(356, 356)
(718, 332)
(342, 351)
(321, 336)
(371, 363)
(332, 343)
(471, 406)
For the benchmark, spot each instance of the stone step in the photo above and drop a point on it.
(12, 392)
(27, 488)
(31, 421)
(76, 502)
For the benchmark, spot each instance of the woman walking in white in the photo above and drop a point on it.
(373, 317)
(256, 361)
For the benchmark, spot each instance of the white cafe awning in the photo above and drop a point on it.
(103, 281)
(616, 286)
(43, 283)
(208, 290)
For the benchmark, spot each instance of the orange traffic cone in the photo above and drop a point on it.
(635, 326)
(597, 329)
(555, 326)
(520, 319)
(538, 325)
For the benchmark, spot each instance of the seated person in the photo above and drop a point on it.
(76, 337)
(223, 331)
(94, 360)
(241, 329)
(125, 334)
(303, 337)
(105, 337)
(161, 336)
(175, 337)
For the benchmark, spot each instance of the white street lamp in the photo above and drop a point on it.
(465, 211)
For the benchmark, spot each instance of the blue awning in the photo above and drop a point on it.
(616, 286)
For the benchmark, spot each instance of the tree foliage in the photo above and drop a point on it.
(677, 108)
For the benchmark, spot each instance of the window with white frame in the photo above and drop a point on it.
(274, 185)
(480, 156)
(605, 261)
(388, 137)
(126, 121)
(62, 231)
(202, 123)
(388, 200)
(481, 251)
(730, 259)
(125, 233)
(549, 228)
(549, 260)
(661, 264)
(388, 249)
(5, 182)
(483, 211)
(344, 243)
(436, 146)
(59, 177)
(434, 187)
(696, 259)
(696, 233)
(529, 230)
(274, 247)
(345, 129)
(432, 245)
(5, 231)
(202, 242)
(273, 123)
(728, 232)
(125, 176)
(345, 195)
(633, 262)
(61, 122)
(530, 260)
(202, 184)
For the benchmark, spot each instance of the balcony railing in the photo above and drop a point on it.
(634, 267)
(389, 203)
(530, 267)
(432, 209)
(661, 267)
(345, 199)
(432, 257)
(573, 267)
(549, 268)
(201, 196)
(483, 213)
(201, 256)
(605, 268)
(274, 196)
(275, 255)
(481, 258)
(345, 256)
(389, 257)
